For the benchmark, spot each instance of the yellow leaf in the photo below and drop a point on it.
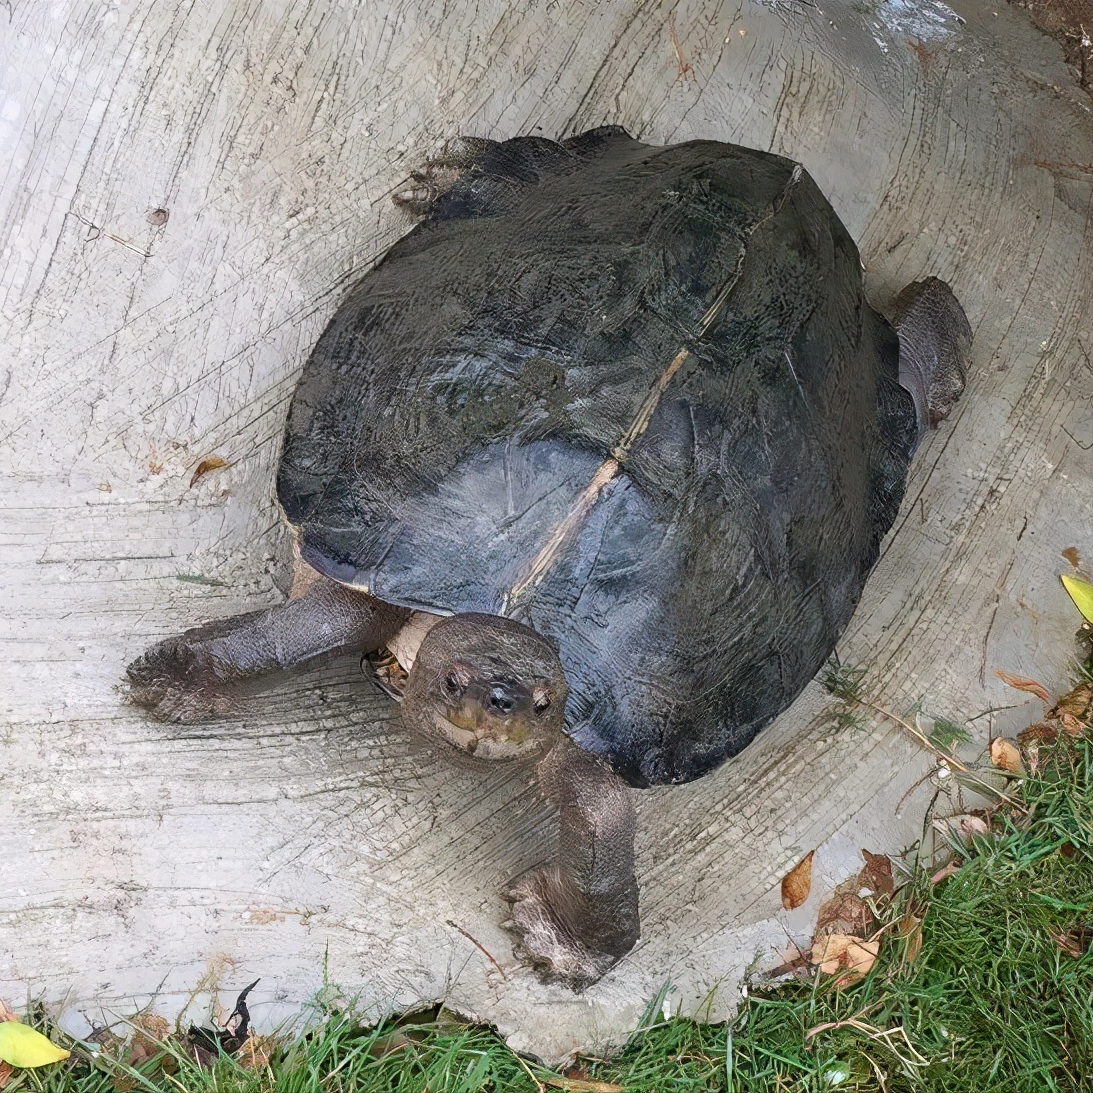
(1081, 592)
(23, 1046)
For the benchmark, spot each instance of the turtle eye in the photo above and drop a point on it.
(541, 701)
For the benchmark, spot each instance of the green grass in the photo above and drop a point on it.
(991, 1002)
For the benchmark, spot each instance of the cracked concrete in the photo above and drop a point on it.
(138, 861)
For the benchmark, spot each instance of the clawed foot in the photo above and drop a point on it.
(548, 945)
(176, 680)
(426, 187)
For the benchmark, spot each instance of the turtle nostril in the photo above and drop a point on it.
(501, 700)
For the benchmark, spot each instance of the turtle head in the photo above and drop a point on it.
(487, 686)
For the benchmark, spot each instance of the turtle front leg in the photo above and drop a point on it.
(199, 675)
(577, 916)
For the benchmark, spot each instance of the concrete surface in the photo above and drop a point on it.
(139, 862)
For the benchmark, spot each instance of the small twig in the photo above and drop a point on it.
(478, 944)
(538, 1084)
(1054, 165)
(686, 72)
(943, 758)
(109, 235)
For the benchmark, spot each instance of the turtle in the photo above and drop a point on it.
(592, 467)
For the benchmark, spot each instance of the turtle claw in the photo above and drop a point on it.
(545, 942)
(175, 681)
(425, 188)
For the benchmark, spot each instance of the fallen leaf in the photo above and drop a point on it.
(213, 463)
(973, 827)
(5, 1073)
(1075, 943)
(910, 929)
(877, 874)
(256, 1052)
(832, 949)
(389, 1044)
(1038, 733)
(1071, 725)
(1081, 592)
(797, 883)
(24, 1047)
(965, 828)
(1006, 756)
(150, 1030)
(945, 872)
(859, 959)
(1072, 556)
(1020, 683)
(1076, 704)
(6, 1012)
(845, 913)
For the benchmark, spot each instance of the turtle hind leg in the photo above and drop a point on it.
(935, 342)
(474, 176)
(201, 674)
(426, 188)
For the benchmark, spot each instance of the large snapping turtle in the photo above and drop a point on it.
(597, 459)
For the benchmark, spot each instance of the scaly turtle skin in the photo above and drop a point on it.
(623, 418)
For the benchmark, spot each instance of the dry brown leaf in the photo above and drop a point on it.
(6, 1071)
(213, 463)
(1071, 725)
(945, 871)
(973, 827)
(797, 883)
(910, 929)
(877, 874)
(1038, 733)
(1072, 556)
(1020, 683)
(158, 1028)
(1076, 705)
(1075, 943)
(845, 913)
(256, 1052)
(6, 1012)
(150, 1030)
(1005, 755)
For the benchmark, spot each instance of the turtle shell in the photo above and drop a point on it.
(633, 397)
